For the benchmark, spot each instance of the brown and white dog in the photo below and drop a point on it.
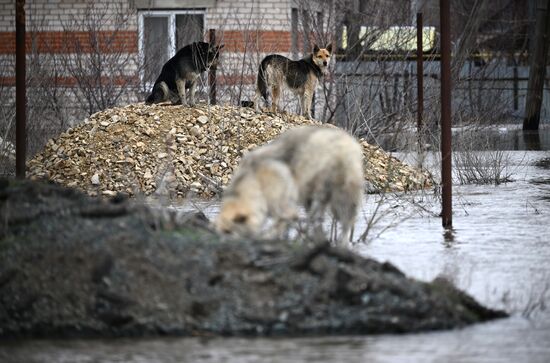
(301, 77)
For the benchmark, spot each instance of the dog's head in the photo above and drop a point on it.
(208, 54)
(321, 56)
(214, 54)
(238, 218)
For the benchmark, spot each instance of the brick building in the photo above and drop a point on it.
(133, 38)
(85, 56)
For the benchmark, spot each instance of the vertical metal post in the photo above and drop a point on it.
(20, 91)
(515, 88)
(419, 73)
(446, 157)
(212, 71)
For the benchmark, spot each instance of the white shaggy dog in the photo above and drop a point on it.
(326, 168)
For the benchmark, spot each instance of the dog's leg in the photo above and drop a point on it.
(257, 99)
(344, 206)
(300, 110)
(306, 103)
(316, 216)
(180, 83)
(275, 93)
(345, 236)
(192, 90)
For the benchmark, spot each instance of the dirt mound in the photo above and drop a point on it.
(175, 149)
(73, 265)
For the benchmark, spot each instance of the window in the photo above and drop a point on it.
(162, 33)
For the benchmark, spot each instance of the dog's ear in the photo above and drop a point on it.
(315, 49)
(329, 47)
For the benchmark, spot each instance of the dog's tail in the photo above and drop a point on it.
(262, 81)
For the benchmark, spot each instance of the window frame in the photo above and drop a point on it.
(171, 15)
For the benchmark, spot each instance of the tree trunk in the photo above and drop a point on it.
(537, 66)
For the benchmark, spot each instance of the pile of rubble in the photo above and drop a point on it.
(146, 149)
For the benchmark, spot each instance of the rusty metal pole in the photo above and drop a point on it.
(20, 91)
(419, 74)
(446, 157)
(212, 71)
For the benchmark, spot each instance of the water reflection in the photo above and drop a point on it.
(448, 236)
(531, 139)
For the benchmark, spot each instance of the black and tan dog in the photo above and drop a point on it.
(181, 71)
(300, 76)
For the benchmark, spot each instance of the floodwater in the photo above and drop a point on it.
(498, 251)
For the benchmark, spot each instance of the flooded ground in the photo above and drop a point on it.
(498, 251)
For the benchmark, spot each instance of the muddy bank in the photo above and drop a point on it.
(72, 265)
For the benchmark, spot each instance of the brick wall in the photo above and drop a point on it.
(63, 42)
(62, 27)
(55, 15)
(254, 14)
(250, 29)
(262, 26)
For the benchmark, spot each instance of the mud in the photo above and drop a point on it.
(76, 266)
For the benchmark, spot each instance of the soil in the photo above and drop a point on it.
(72, 265)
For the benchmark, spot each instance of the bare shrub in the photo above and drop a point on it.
(7, 126)
(477, 160)
(46, 113)
(104, 69)
(91, 73)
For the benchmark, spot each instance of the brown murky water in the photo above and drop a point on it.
(499, 251)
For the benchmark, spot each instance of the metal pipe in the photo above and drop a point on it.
(212, 70)
(419, 73)
(20, 91)
(446, 156)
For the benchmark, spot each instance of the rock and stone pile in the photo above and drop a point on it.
(73, 265)
(142, 149)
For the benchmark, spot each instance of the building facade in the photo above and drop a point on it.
(134, 38)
